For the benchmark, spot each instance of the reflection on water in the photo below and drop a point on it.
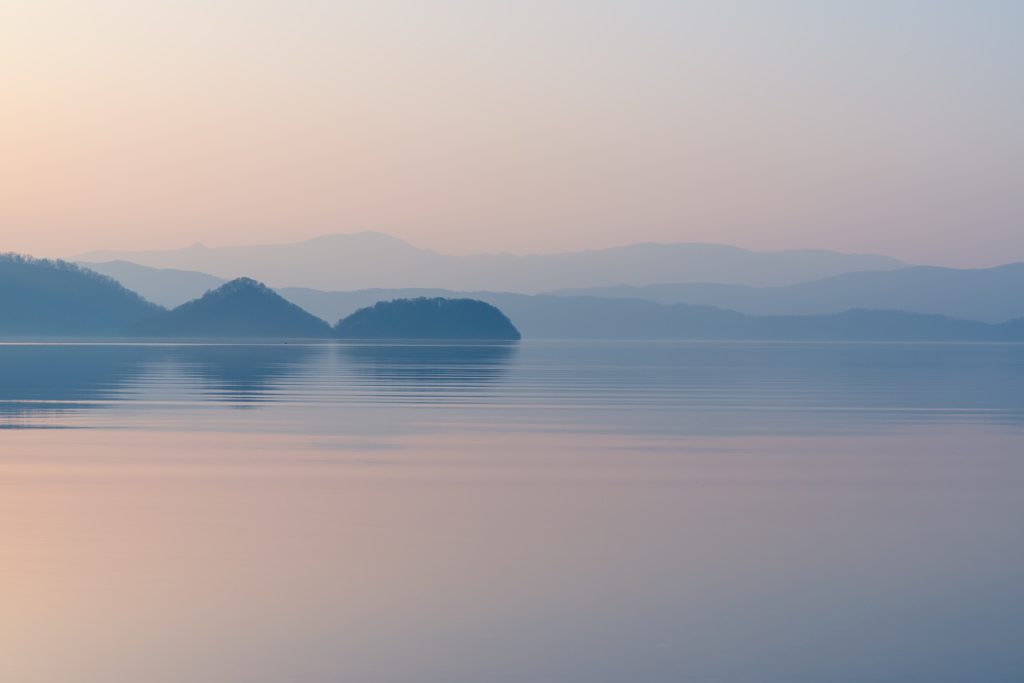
(42, 379)
(431, 362)
(443, 513)
(245, 373)
(646, 388)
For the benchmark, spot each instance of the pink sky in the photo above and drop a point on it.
(532, 127)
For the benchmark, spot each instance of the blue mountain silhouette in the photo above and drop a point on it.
(53, 298)
(240, 308)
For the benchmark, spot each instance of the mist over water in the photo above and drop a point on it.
(600, 511)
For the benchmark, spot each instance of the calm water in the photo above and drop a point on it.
(535, 512)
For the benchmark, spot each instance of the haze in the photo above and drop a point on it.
(889, 128)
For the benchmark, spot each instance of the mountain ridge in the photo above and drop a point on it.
(991, 295)
(61, 299)
(585, 317)
(168, 287)
(372, 259)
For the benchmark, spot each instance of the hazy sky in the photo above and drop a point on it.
(466, 126)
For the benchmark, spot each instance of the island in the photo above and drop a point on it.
(424, 318)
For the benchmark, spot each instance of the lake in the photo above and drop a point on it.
(537, 511)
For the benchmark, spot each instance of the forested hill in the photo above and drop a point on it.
(240, 308)
(54, 298)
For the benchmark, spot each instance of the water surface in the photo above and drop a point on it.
(537, 511)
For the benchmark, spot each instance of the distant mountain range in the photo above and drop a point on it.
(167, 287)
(548, 317)
(52, 298)
(587, 317)
(375, 260)
(991, 295)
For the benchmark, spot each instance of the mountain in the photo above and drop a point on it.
(54, 298)
(587, 317)
(240, 308)
(167, 287)
(375, 260)
(425, 318)
(989, 295)
(337, 305)
(548, 317)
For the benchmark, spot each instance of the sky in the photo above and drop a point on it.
(890, 127)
